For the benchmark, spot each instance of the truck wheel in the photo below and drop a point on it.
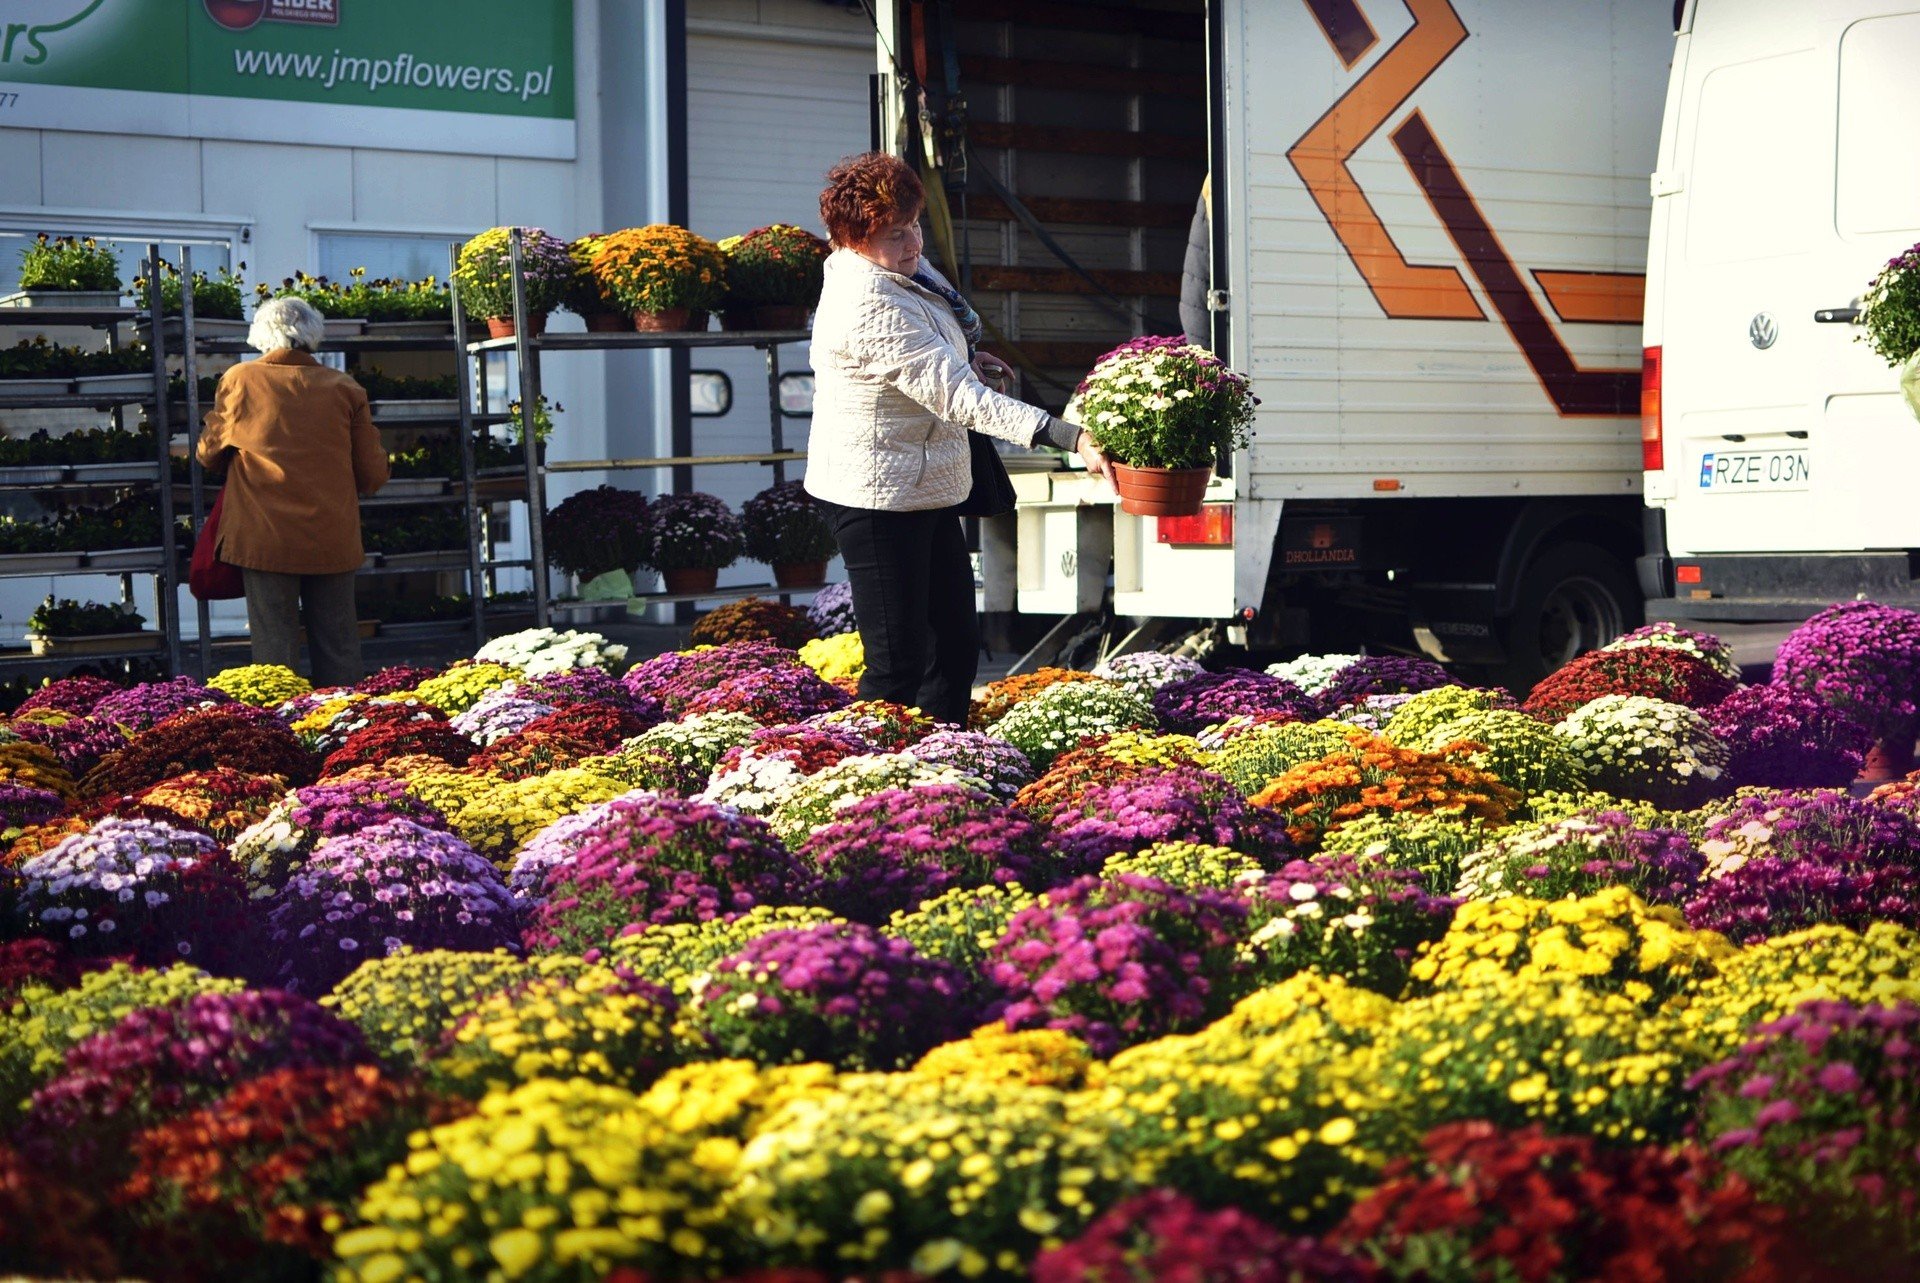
(1574, 597)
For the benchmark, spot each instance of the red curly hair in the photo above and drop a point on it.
(866, 194)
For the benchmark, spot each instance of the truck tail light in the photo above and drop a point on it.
(1653, 451)
(1211, 526)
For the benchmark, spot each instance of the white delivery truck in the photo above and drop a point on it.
(1429, 236)
(1780, 457)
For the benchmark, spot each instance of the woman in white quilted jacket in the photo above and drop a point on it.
(897, 384)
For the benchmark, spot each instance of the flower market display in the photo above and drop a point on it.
(545, 966)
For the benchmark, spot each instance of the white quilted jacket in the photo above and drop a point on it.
(893, 395)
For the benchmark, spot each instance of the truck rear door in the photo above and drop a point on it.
(1782, 432)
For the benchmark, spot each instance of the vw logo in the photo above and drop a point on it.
(1069, 563)
(1763, 330)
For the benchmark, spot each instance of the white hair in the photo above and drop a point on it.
(286, 322)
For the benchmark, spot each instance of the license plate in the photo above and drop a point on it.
(1749, 470)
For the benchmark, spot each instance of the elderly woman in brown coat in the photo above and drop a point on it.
(299, 447)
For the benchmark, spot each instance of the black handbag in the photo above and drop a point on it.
(992, 491)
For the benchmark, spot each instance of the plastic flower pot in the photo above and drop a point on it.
(799, 574)
(42, 297)
(607, 322)
(1160, 492)
(501, 327)
(691, 579)
(1892, 758)
(673, 320)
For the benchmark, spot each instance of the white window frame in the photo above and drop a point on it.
(233, 230)
(443, 234)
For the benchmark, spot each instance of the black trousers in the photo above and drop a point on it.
(912, 587)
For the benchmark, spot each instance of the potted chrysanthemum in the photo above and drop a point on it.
(785, 529)
(599, 536)
(774, 275)
(693, 537)
(586, 296)
(1166, 413)
(663, 275)
(484, 272)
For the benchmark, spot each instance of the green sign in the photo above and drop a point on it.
(487, 76)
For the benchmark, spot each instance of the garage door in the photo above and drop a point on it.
(766, 118)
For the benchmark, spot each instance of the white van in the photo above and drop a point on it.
(1780, 458)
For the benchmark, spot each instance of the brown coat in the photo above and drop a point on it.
(299, 447)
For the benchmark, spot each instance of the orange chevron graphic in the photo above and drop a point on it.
(1404, 290)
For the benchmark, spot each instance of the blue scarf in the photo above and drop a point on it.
(962, 310)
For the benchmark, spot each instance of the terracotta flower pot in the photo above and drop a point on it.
(799, 574)
(1892, 757)
(692, 579)
(781, 317)
(501, 327)
(1160, 492)
(673, 320)
(607, 322)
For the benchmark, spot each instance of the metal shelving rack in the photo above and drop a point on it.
(473, 492)
(528, 348)
(153, 399)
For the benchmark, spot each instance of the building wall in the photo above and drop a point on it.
(776, 93)
(275, 201)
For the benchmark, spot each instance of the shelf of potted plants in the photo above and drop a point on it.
(373, 316)
(66, 272)
(645, 270)
(137, 532)
(67, 627)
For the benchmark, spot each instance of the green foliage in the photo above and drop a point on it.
(357, 298)
(543, 412)
(68, 263)
(87, 445)
(38, 358)
(132, 522)
(382, 386)
(439, 456)
(69, 618)
(218, 297)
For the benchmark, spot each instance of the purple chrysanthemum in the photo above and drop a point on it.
(893, 850)
(1180, 804)
(1004, 769)
(661, 859)
(1118, 960)
(831, 611)
(1778, 864)
(1781, 737)
(1188, 704)
(392, 886)
(1383, 675)
(146, 705)
(839, 992)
